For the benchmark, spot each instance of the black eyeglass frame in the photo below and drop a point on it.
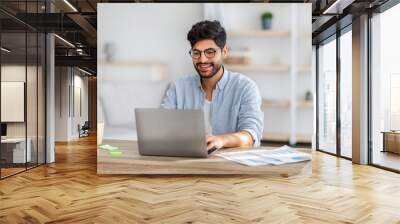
(213, 52)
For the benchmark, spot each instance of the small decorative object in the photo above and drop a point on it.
(308, 95)
(109, 51)
(266, 19)
(238, 56)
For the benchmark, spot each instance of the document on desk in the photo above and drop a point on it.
(259, 157)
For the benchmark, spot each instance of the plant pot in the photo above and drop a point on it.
(266, 24)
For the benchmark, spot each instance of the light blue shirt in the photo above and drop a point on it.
(235, 103)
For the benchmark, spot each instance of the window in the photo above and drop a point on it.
(395, 101)
(327, 97)
(385, 89)
(346, 94)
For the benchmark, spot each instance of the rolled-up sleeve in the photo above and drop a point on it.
(251, 118)
(169, 101)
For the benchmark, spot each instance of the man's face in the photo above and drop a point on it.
(207, 58)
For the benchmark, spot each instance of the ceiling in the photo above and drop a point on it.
(76, 21)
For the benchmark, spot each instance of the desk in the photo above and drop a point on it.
(15, 153)
(131, 162)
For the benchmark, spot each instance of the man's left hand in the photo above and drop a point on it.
(214, 141)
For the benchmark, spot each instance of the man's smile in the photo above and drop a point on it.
(204, 67)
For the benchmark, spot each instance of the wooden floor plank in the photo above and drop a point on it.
(70, 191)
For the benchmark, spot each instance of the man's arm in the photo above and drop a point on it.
(169, 100)
(251, 118)
(250, 123)
(229, 140)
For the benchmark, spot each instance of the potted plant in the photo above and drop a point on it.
(266, 19)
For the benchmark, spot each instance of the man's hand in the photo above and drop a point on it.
(229, 140)
(214, 141)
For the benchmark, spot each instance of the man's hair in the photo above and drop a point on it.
(207, 30)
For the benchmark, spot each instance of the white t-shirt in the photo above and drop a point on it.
(207, 117)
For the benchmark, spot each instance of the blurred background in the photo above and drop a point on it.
(143, 47)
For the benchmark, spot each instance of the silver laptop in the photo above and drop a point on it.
(164, 132)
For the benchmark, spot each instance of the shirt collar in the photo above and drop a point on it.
(221, 83)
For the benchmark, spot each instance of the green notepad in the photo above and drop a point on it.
(115, 153)
(108, 147)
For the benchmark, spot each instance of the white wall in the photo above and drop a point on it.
(66, 121)
(146, 32)
(150, 33)
(79, 117)
(138, 57)
(61, 103)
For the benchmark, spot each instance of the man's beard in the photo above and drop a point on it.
(214, 70)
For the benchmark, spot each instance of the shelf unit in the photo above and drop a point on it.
(259, 68)
(277, 65)
(133, 70)
(304, 69)
(284, 68)
(131, 63)
(259, 33)
(267, 104)
(285, 137)
(305, 104)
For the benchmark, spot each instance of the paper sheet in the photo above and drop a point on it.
(259, 157)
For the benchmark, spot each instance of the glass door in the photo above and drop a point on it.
(14, 154)
(22, 77)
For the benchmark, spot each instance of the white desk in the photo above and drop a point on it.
(19, 153)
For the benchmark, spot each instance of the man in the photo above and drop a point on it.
(231, 101)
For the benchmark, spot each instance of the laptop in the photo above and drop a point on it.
(177, 133)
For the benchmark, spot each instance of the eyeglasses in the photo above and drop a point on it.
(209, 53)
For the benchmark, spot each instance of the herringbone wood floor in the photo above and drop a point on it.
(69, 191)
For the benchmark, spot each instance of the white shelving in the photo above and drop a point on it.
(259, 68)
(269, 104)
(133, 70)
(284, 68)
(279, 61)
(305, 104)
(285, 137)
(304, 69)
(131, 63)
(259, 33)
